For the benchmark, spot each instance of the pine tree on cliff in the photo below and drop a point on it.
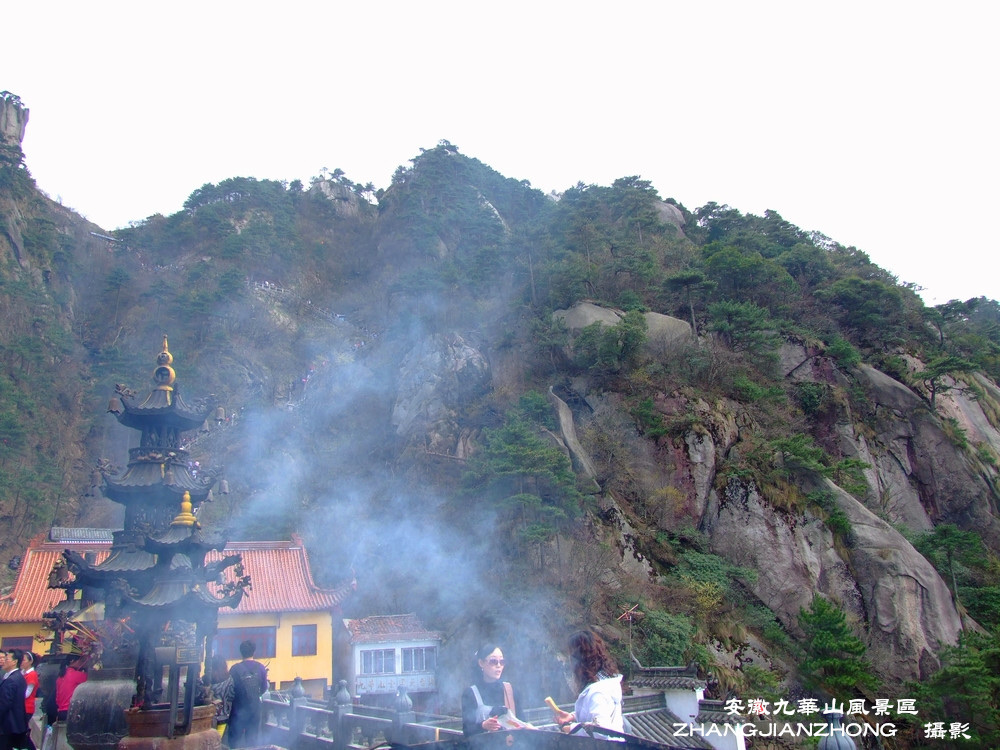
(834, 657)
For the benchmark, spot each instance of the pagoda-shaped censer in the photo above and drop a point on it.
(146, 611)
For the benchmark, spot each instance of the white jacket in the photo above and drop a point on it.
(600, 703)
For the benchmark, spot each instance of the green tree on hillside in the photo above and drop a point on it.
(971, 330)
(527, 478)
(665, 637)
(842, 352)
(609, 348)
(966, 689)
(871, 310)
(932, 376)
(634, 201)
(807, 264)
(117, 279)
(834, 657)
(744, 327)
(947, 315)
(688, 282)
(949, 549)
(749, 277)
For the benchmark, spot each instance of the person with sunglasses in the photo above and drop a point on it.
(489, 697)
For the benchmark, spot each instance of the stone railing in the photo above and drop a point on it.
(299, 723)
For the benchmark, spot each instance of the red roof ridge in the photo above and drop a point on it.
(305, 563)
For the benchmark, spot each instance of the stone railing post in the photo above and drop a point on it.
(403, 715)
(340, 706)
(297, 721)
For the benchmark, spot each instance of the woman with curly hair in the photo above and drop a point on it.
(600, 684)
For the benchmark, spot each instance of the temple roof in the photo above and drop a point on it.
(282, 581)
(70, 535)
(660, 725)
(667, 678)
(170, 592)
(167, 407)
(175, 535)
(163, 406)
(716, 712)
(126, 560)
(31, 596)
(139, 476)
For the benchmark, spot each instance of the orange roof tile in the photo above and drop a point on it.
(281, 580)
(279, 571)
(31, 596)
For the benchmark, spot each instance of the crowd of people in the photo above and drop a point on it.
(20, 688)
(488, 703)
(237, 693)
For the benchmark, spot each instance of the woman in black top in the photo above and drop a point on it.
(488, 696)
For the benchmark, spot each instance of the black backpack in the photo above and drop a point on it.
(246, 684)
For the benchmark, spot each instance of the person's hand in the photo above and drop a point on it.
(562, 717)
(492, 724)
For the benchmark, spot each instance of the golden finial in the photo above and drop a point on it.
(164, 374)
(185, 517)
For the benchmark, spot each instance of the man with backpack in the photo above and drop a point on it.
(249, 684)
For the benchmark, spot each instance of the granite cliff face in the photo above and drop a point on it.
(896, 598)
(438, 378)
(916, 476)
(13, 119)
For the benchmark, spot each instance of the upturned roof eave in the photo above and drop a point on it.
(175, 411)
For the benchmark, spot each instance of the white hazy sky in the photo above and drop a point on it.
(873, 122)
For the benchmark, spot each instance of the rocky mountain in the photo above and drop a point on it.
(516, 415)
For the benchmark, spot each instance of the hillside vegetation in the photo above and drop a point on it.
(405, 388)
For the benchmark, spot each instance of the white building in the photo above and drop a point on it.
(391, 651)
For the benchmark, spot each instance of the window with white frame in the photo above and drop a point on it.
(378, 661)
(420, 659)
